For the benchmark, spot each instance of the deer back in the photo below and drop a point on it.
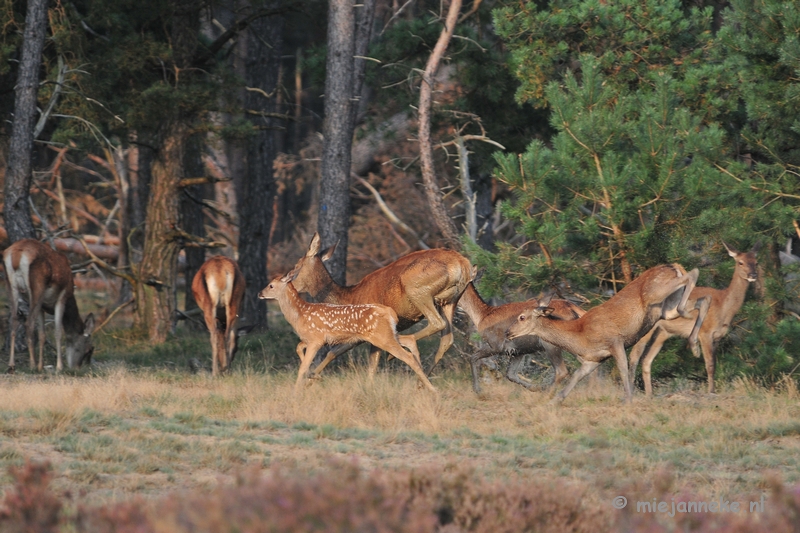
(439, 274)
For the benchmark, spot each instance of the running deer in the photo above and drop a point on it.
(320, 324)
(491, 322)
(424, 284)
(45, 276)
(218, 289)
(720, 305)
(605, 331)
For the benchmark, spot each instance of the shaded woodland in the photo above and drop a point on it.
(558, 145)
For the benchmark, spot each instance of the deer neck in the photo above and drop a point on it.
(562, 333)
(291, 304)
(734, 295)
(472, 304)
(72, 318)
(324, 288)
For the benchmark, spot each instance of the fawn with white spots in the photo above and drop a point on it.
(320, 324)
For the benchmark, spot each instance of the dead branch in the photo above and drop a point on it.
(111, 315)
(188, 182)
(394, 219)
(105, 266)
(88, 216)
(432, 191)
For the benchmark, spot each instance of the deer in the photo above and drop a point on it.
(320, 324)
(218, 288)
(423, 284)
(491, 323)
(721, 305)
(45, 276)
(604, 331)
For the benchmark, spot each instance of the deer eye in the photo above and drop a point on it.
(522, 318)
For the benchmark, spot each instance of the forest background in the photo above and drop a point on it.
(575, 144)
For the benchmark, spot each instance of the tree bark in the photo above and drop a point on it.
(432, 191)
(16, 211)
(158, 271)
(264, 40)
(163, 236)
(192, 216)
(365, 21)
(337, 131)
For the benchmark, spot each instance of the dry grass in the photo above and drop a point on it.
(124, 432)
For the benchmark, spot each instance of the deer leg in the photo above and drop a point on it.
(230, 334)
(689, 285)
(707, 343)
(639, 349)
(30, 326)
(394, 348)
(621, 358)
(211, 324)
(13, 320)
(660, 336)
(586, 368)
(305, 361)
(409, 343)
(40, 366)
(446, 340)
(554, 355)
(474, 361)
(435, 323)
(373, 360)
(512, 373)
(702, 306)
(332, 354)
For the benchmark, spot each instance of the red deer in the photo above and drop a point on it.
(491, 322)
(320, 324)
(423, 284)
(721, 306)
(45, 275)
(218, 289)
(605, 331)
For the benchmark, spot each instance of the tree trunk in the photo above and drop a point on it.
(366, 19)
(264, 39)
(158, 271)
(16, 211)
(192, 216)
(337, 131)
(438, 209)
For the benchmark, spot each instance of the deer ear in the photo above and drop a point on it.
(313, 248)
(477, 274)
(88, 325)
(731, 251)
(327, 254)
(756, 246)
(544, 302)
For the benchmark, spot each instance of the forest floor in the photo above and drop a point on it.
(140, 422)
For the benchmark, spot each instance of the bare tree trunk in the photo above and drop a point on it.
(337, 131)
(158, 271)
(163, 238)
(264, 50)
(192, 216)
(366, 19)
(16, 211)
(438, 209)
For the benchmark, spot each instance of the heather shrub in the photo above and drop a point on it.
(345, 498)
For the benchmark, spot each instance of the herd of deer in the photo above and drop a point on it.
(662, 302)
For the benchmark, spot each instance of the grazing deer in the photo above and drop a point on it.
(491, 322)
(45, 275)
(218, 289)
(605, 331)
(720, 306)
(323, 324)
(423, 284)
